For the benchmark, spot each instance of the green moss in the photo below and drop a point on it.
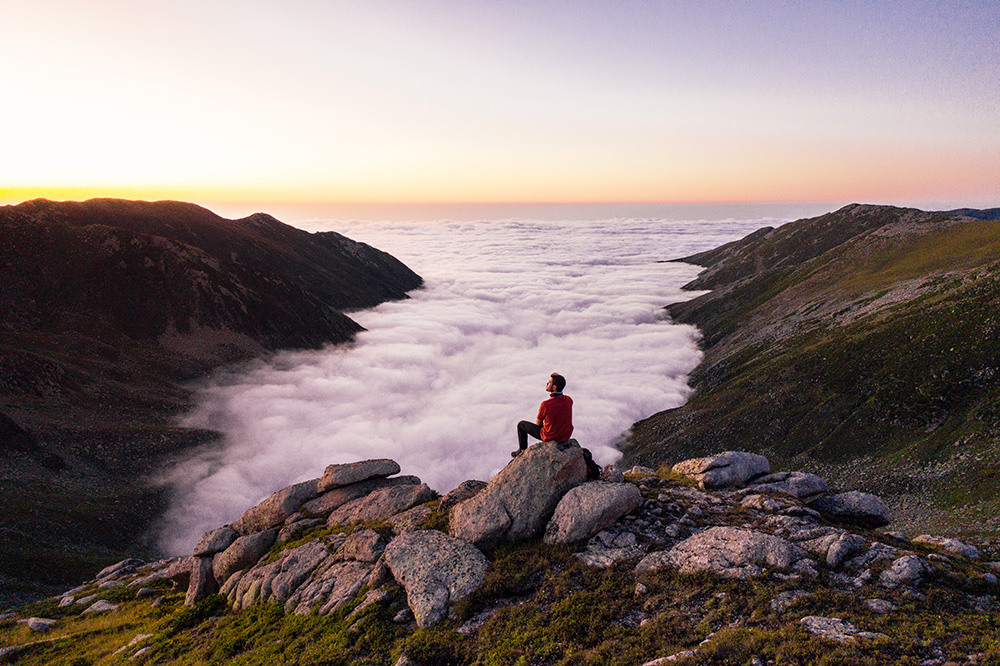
(438, 518)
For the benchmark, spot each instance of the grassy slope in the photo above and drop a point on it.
(871, 356)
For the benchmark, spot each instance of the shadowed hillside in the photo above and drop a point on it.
(863, 344)
(106, 307)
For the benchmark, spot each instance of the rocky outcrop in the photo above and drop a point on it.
(835, 629)
(854, 508)
(274, 510)
(519, 501)
(331, 500)
(907, 571)
(587, 509)
(728, 551)
(243, 552)
(418, 576)
(215, 541)
(797, 484)
(731, 468)
(461, 492)
(436, 570)
(950, 546)
(382, 504)
(336, 476)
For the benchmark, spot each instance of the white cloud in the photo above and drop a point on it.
(439, 381)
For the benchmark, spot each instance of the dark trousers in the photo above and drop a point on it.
(525, 428)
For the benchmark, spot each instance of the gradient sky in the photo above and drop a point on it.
(461, 100)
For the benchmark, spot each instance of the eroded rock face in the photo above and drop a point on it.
(436, 570)
(243, 552)
(588, 508)
(854, 508)
(381, 504)
(731, 468)
(275, 509)
(730, 551)
(519, 501)
(336, 476)
(280, 579)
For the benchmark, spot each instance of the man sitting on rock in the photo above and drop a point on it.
(555, 417)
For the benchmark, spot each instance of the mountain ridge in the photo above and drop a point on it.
(859, 344)
(108, 307)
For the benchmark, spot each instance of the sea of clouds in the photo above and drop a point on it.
(438, 382)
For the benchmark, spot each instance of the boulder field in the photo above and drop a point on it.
(359, 530)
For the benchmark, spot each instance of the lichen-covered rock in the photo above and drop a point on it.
(333, 499)
(952, 546)
(829, 627)
(363, 545)
(588, 508)
(606, 548)
(519, 501)
(243, 552)
(796, 484)
(410, 520)
(215, 541)
(202, 581)
(436, 570)
(730, 468)
(730, 551)
(336, 476)
(275, 509)
(462, 492)
(907, 571)
(854, 508)
(381, 504)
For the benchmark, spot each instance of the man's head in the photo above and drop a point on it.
(556, 383)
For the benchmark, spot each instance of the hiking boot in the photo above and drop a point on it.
(514, 454)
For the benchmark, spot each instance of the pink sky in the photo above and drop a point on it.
(889, 102)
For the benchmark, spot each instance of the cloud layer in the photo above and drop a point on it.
(439, 381)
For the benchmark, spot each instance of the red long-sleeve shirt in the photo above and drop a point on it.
(556, 415)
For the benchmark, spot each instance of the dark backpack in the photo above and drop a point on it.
(593, 469)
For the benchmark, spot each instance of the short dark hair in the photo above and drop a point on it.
(559, 381)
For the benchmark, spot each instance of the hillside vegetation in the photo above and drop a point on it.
(864, 345)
